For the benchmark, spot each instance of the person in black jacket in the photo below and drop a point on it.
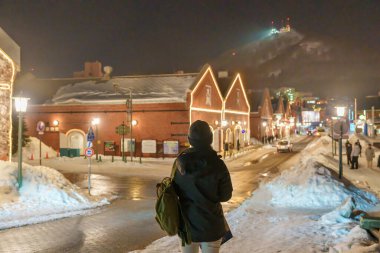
(202, 181)
(348, 152)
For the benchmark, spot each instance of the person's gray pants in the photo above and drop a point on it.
(207, 247)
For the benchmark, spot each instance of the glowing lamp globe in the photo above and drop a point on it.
(21, 104)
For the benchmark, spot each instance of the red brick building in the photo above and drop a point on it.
(163, 107)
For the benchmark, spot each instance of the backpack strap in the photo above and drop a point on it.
(174, 167)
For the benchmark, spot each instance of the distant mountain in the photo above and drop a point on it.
(325, 67)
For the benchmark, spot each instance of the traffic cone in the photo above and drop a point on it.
(32, 157)
(47, 155)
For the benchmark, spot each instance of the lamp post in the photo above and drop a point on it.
(96, 122)
(21, 103)
(128, 103)
(340, 110)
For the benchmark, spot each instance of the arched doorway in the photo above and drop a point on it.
(76, 139)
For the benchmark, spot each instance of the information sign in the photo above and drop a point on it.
(149, 146)
(171, 147)
(40, 127)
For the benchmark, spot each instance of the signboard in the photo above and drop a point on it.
(88, 152)
(40, 127)
(170, 147)
(122, 129)
(109, 146)
(90, 134)
(149, 146)
(340, 127)
(127, 145)
(90, 137)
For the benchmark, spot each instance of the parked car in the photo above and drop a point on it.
(284, 145)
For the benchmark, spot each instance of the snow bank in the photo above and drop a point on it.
(45, 194)
(310, 184)
(33, 148)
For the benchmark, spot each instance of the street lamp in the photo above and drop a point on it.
(340, 111)
(21, 103)
(96, 122)
(128, 102)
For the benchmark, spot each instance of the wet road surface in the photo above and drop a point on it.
(128, 223)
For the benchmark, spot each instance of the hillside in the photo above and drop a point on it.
(325, 67)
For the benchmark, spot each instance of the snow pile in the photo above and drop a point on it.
(33, 148)
(311, 185)
(45, 194)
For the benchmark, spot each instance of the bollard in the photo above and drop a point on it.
(112, 159)
(140, 160)
(100, 158)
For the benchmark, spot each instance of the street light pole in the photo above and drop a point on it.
(340, 150)
(21, 104)
(129, 111)
(340, 114)
(96, 122)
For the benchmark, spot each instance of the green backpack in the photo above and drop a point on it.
(168, 210)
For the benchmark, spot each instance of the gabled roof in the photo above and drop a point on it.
(255, 98)
(8, 46)
(146, 88)
(224, 85)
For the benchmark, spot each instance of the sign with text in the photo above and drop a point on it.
(109, 146)
(341, 127)
(127, 144)
(170, 147)
(40, 127)
(149, 146)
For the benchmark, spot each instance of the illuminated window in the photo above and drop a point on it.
(208, 95)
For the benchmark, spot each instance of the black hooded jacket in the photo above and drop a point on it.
(202, 181)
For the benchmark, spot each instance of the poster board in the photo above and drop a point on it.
(170, 147)
(149, 146)
(109, 146)
(127, 145)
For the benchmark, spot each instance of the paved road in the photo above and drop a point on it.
(128, 223)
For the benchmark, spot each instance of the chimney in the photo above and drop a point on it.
(223, 74)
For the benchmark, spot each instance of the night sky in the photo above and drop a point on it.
(144, 37)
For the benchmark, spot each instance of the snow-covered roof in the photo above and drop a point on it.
(145, 89)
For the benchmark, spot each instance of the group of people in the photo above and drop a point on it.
(355, 151)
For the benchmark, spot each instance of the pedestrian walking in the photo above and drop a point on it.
(238, 145)
(230, 148)
(369, 155)
(360, 146)
(348, 152)
(202, 182)
(355, 156)
(225, 149)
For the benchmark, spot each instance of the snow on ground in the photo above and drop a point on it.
(32, 150)
(305, 209)
(45, 195)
